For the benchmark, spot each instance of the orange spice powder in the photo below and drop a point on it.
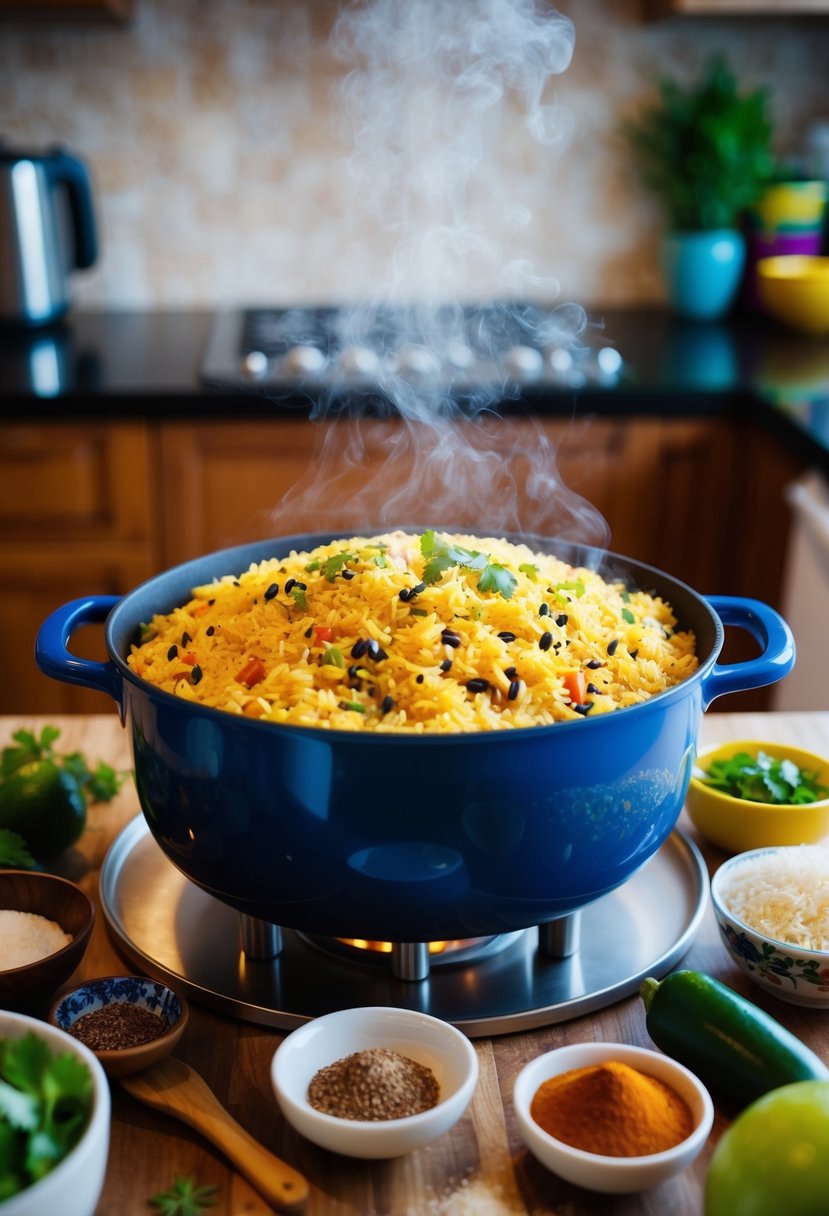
(613, 1110)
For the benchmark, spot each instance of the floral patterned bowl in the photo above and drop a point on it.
(792, 973)
(136, 998)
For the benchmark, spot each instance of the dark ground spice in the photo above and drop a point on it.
(373, 1084)
(114, 1027)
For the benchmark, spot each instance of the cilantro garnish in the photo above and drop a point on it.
(299, 597)
(763, 778)
(440, 556)
(530, 570)
(334, 657)
(332, 566)
(184, 1198)
(628, 616)
(574, 585)
(14, 851)
(45, 1103)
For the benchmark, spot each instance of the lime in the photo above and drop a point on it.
(45, 805)
(774, 1158)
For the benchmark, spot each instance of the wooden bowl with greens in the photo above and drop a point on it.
(749, 794)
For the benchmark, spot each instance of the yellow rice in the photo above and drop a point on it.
(258, 644)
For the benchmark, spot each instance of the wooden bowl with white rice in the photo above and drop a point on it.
(772, 909)
(45, 926)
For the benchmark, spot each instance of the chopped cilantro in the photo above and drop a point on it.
(299, 597)
(45, 1103)
(530, 570)
(332, 566)
(440, 556)
(333, 657)
(764, 778)
(574, 585)
(14, 851)
(498, 578)
(628, 616)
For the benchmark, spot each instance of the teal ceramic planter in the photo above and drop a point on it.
(703, 271)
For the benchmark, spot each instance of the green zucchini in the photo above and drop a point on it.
(735, 1048)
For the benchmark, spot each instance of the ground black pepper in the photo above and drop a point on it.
(374, 1084)
(114, 1027)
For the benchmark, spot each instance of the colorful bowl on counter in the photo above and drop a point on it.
(770, 909)
(73, 1186)
(794, 289)
(738, 824)
(48, 921)
(608, 1083)
(128, 1022)
(366, 1065)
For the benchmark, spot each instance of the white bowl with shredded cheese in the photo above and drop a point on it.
(772, 909)
(401, 1053)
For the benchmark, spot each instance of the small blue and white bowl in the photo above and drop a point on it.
(167, 1004)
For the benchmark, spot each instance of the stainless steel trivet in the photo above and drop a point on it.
(174, 931)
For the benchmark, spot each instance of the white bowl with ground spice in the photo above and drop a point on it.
(374, 1082)
(772, 910)
(612, 1117)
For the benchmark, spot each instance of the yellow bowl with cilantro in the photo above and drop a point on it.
(750, 794)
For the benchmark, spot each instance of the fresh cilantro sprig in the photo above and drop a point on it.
(764, 778)
(441, 556)
(14, 851)
(184, 1198)
(45, 1103)
(100, 783)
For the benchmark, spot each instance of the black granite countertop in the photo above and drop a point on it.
(148, 364)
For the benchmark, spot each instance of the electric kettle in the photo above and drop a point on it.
(47, 230)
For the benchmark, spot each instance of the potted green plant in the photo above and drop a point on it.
(704, 151)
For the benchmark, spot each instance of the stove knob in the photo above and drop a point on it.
(560, 360)
(524, 362)
(255, 365)
(302, 361)
(460, 356)
(417, 363)
(609, 362)
(358, 361)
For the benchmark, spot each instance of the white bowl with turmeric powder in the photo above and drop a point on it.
(374, 1082)
(611, 1117)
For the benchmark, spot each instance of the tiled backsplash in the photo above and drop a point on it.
(214, 133)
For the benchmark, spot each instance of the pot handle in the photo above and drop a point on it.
(53, 657)
(768, 628)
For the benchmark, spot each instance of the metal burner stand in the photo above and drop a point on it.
(260, 973)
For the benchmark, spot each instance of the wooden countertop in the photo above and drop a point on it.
(481, 1165)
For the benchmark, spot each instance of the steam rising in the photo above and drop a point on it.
(433, 87)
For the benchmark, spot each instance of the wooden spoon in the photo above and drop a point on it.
(173, 1086)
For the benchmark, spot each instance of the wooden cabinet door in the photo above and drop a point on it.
(75, 519)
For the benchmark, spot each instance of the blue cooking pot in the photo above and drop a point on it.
(410, 837)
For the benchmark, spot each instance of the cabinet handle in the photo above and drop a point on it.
(51, 646)
(769, 629)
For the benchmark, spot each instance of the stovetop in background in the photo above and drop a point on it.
(462, 352)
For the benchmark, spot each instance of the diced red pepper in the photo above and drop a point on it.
(576, 685)
(189, 658)
(323, 633)
(252, 672)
